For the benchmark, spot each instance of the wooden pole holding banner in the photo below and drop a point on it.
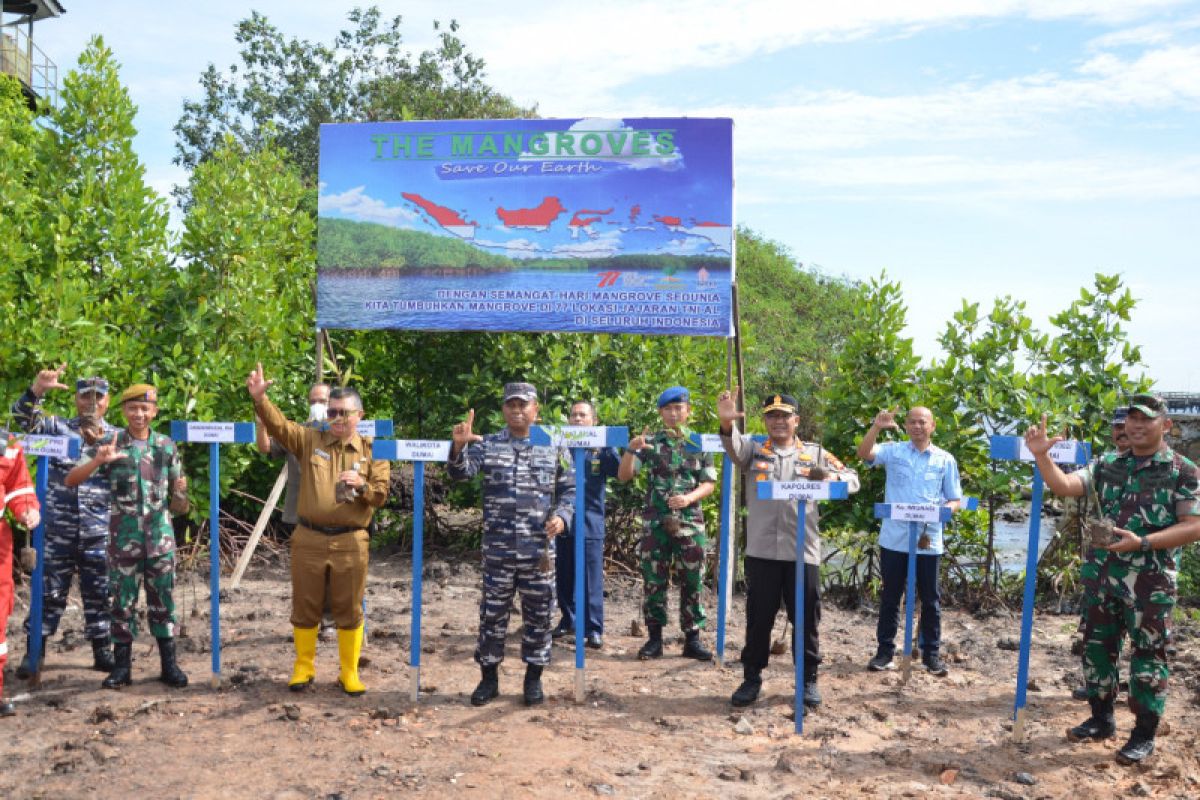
(801, 492)
(1012, 448)
(263, 518)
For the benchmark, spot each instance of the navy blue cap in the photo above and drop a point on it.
(1119, 415)
(676, 394)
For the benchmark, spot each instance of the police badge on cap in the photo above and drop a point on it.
(780, 402)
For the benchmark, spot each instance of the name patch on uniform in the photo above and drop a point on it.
(319, 452)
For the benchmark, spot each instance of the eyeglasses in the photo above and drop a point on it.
(335, 413)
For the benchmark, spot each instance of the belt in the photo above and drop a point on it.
(331, 530)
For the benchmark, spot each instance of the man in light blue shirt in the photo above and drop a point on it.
(917, 472)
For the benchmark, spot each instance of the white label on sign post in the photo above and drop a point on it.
(711, 443)
(799, 490)
(50, 446)
(210, 432)
(578, 436)
(1061, 453)
(422, 450)
(916, 512)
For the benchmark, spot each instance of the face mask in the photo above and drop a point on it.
(316, 412)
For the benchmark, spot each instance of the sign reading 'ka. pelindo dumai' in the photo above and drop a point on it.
(607, 226)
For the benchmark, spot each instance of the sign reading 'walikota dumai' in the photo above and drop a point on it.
(610, 226)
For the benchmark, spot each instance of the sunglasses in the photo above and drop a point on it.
(335, 413)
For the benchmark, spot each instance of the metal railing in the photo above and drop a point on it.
(26, 62)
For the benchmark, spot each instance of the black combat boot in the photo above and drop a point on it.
(25, 668)
(7, 709)
(489, 686)
(693, 649)
(653, 647)
(1141, 742)
(747, 693)
(812, 697)
(171, 675)
(102, 655)
(533, 685)
(1100, 725)
(122, 673)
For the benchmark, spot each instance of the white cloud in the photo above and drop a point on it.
(356, 204)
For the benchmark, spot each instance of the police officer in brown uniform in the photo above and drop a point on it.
(340, 488)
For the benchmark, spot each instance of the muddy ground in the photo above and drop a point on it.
(647, 729)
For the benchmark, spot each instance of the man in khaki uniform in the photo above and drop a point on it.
(340, 488)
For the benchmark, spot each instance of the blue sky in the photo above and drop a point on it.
(971, 149)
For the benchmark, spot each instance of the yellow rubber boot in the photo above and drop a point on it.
(349, 648)
(305, 668)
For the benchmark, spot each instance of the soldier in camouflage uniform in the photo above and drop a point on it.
(145, 478)
(1150, 494)
(678, 481)
(76, 519)
(528, 499)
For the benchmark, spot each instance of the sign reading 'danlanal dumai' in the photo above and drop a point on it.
(597, 225)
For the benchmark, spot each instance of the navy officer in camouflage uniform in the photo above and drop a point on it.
(674, 535)
(1150, 493)
(146, 484)
(528, 499)
(76, 519)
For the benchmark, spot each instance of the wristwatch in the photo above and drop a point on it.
(1146, 548)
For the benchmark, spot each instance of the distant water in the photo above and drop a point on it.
(1012, 541)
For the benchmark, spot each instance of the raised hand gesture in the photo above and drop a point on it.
(257, 384)
(886, 419)
(49, 379)
(108, 453)
(463, 433)
(727, 411)
(1038, 442)
(639, 442)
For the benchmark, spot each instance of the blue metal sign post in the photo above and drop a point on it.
(214, 434)
(1012, 448)
(418, 451)
(44, 448)
(801, 492)
(580, 439)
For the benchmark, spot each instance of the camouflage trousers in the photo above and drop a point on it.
(127, 573)
(68, 550)
(506, 573)
(1118, 600)
(660, 551)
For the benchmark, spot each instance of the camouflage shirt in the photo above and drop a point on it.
(80, 510)
(140, 486)
(523, 485)
(674, 470)
(1144, 495)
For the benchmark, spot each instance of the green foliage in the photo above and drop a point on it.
(794, 322)
(283, 89)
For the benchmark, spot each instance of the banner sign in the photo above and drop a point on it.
(579, 436)
(802, 490)
(587, 225)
